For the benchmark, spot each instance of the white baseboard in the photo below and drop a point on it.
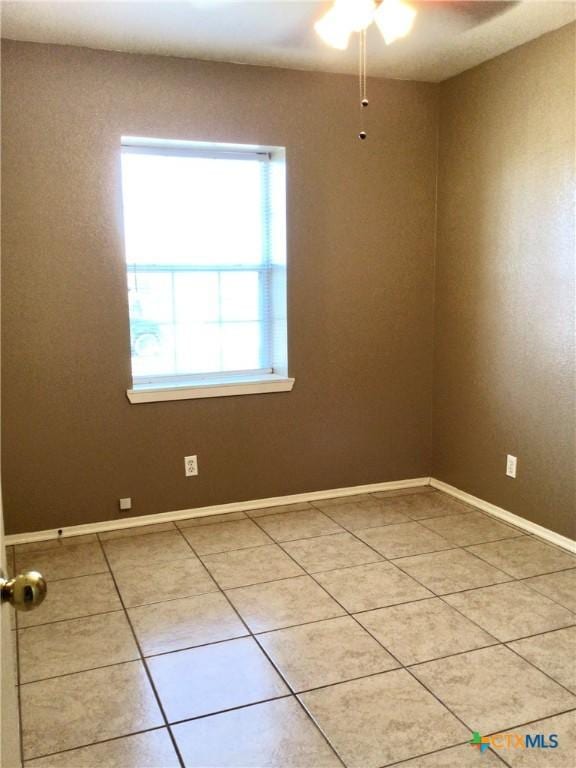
(507, 517)
(242, 506)
(218, 509)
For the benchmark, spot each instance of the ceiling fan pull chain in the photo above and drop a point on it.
(362, 81)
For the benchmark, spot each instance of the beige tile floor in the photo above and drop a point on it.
(369, 631)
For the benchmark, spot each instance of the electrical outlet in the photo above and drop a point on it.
(191, 466)
(125, 504)
(511, 462)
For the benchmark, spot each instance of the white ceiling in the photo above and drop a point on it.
(448, 36)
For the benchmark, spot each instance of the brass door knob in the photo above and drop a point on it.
(25, 591)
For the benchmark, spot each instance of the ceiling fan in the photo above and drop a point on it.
(394, 19)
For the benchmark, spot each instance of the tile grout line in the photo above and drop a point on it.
(483, 559)
(542, 671)
(407, 760)
(507, 583)
(535, 720)
(529, 637)
(541, 594)
(142, 657)
(453, 546)
(95, 743)
(205, 715)
(53, 545)
(474, 511)
(69, 578)
(70, 618)
(402, 511)
(80, 671)
(538, 634)
(269, 541)
(216, 519)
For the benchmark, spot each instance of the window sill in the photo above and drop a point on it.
(145, 393)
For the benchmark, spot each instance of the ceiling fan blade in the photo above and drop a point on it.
(466, 13)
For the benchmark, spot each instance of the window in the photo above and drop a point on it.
(204, 229)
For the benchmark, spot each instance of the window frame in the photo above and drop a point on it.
(266, 379)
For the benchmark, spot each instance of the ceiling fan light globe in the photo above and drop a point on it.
(394, 19)
(355, 15)
(333, 31)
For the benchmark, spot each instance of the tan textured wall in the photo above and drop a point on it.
(504, 370)
(361, 223)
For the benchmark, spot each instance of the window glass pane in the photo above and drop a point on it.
(192, 210)
(240, 346)
(150, 302)
(196, 297)
(198, 348)
(240, 296)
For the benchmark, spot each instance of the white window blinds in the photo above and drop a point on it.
(205, 290)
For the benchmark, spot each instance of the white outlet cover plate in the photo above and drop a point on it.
(191, 466)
